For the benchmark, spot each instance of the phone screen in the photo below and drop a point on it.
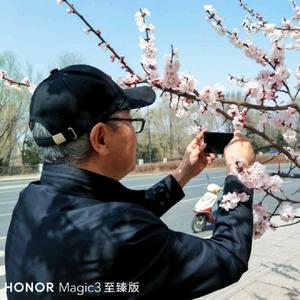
(216, 141)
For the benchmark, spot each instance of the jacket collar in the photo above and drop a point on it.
(72, 180)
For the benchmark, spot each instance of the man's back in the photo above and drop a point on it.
(61, 233)
(78, 229)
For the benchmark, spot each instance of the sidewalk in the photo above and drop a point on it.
(274, 268)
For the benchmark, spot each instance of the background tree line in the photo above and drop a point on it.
(164, 135)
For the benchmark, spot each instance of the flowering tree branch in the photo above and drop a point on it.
(266, 86)
(103, 44)
(10, 82)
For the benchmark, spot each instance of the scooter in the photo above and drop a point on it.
(203, 209)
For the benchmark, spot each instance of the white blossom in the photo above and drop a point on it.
(286, 212)
(290, 135)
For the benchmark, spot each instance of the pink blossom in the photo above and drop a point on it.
(103, 46)
(207, 95)
(231, 200)
(286, 212)
(181, 111)
(236, 41)
(59, 2)
(263, 119)
(290, 135)
(251, 88)
(194, 129)
(2, 74)
(260, 221)
(251, 26)
(274, 183)
(171, 77)
(146, 12)
(283, 118)
(148, 46)
(282, 73)
(221, 30)
(149, 27)
(26, 81)
(209, 8)
(187, 83)
(277, 54)
(70, 10)
(129, 81)
(219, 90)
(253, 177)
(254, 53)
(239, 117)
(139, 19)
(257, 177)
(244, 197)
(292, 153)
(298, 72)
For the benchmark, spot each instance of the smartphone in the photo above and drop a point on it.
(216, 141)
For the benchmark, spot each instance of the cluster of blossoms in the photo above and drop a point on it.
(285, 119)
(297, 74)
(249, 48)
(256, 176)
(266, 85)
(293, 153)
(261, 218)
(187, 83)
(147, 45)
(184, 83)
(287, 212)
(69, 10)
(210, 95)
(231, 200)
(129, 81)
(171, 77)
(289, 29)
(277, 55)
(251, 25)
(261, 221)
(239, 117)
(11, 83)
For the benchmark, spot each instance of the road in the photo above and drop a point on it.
(178, 218)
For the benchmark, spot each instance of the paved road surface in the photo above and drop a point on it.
(178, 218)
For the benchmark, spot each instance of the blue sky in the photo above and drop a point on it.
(38, 31)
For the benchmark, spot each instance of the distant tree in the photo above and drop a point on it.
(67, 59)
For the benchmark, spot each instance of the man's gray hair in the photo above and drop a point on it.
(71, 153)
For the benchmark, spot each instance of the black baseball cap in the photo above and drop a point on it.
(72, 100)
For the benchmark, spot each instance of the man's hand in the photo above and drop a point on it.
(194, 160)
(238, 148)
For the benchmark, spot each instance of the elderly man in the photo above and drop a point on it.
(78, 233)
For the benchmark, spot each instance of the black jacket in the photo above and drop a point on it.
(77, 229)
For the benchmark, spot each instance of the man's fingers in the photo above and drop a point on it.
(199, 137)
(202, 147)
(212, 156)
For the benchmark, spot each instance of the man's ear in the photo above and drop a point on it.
(98, 139)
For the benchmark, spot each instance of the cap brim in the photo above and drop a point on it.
(139, 97)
